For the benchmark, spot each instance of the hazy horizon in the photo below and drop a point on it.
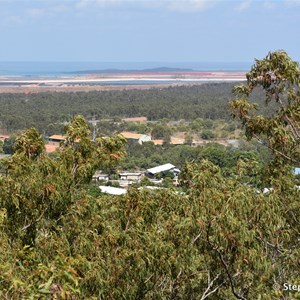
(55, 68)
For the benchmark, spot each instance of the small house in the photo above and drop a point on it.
(131, 176)
(98, 176)
(140, 138)
(56, 139)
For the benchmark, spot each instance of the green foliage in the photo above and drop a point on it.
(218, 237)
(30, 143)
(207, 124)
(141, 128)
(188, 139)
(160, 131)
(200, 102)
(207, 134)
(246, 236)
(37, 187)
(8, 145)
(197, 124)
(148, 155)
(221, 237)
(168, 182)
(93, 189)
(279, 77)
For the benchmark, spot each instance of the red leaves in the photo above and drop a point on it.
(115, 155)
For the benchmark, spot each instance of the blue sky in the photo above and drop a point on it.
(140, 30)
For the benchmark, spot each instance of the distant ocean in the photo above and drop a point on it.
(54, 69)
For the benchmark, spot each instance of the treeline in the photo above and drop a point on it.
(48, 111)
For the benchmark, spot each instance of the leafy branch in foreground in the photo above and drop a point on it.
(279, 77)
(37, 187)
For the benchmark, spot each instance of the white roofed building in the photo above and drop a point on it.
(161, 169)
(112, 190)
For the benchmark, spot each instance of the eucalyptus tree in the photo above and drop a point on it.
(37, 186)
(278, 76)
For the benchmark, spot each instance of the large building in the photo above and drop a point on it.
(162, 169)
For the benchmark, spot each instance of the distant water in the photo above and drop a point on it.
(53, 69)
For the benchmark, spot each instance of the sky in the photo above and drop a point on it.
(148, 30)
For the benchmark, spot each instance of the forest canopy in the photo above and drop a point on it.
(49, 111)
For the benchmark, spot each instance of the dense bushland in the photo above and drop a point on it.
(48, 111)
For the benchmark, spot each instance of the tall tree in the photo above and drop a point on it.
(38, 187)
(279, 78)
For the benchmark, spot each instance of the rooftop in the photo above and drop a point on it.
(135, 119)
(4, 136)
(57, 137)
(130, 174)
(50, 148)
(176, 141)
(158, 142)
(112, 190)
(131, 135)
(99, 173)
(162, 168)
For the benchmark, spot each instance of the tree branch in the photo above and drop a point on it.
(207, 293)
(275, 150)
(197, 237)
(225, 267)
(35, 221)
(294, 129)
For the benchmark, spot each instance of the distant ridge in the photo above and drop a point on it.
(118, 71)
